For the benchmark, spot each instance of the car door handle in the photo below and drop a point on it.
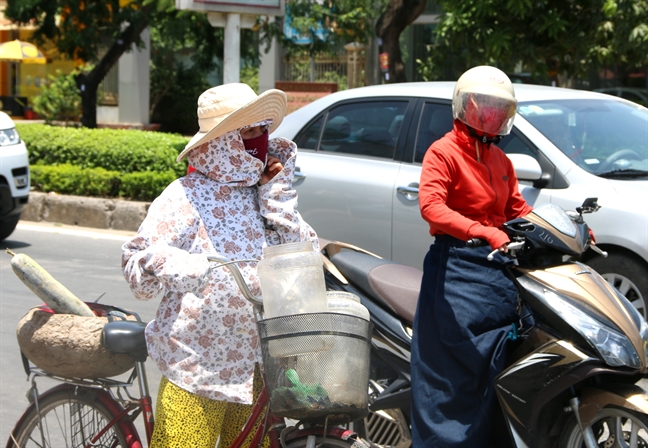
(410, 192)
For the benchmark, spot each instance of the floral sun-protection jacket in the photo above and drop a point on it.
(204, 337)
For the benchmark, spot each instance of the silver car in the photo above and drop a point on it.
(360, 154)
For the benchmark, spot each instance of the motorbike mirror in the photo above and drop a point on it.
(590, 205)
(526, 167)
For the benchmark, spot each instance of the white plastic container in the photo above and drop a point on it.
(346, 303)
(292, 280)
(292, 283)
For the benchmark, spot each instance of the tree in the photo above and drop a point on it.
(59, 99)
(173, 35)
(398, 15)
(560, 38)
(177, 81)
(81, 29)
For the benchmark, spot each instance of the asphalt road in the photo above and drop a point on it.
(87, 262)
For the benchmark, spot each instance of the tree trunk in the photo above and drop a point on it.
(398, 15)
(89, 82)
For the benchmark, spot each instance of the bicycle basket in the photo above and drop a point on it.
(69, 346)
(317, 365)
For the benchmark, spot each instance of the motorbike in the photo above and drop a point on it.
(575, 356)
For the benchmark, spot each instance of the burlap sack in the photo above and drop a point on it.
(68, 346)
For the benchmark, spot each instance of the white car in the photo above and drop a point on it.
(360, 154)
(14, 176)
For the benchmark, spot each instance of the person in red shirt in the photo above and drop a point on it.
(467, 304)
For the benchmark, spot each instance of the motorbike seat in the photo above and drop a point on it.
(125, 337)
(394, 285)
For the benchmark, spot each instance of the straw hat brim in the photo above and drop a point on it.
(270, 104)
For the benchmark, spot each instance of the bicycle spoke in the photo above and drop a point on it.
(69, 420)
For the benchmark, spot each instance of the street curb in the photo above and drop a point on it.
(99, 213)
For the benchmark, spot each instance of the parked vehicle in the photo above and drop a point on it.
(577, 352)
(14, 176)
(360, 154)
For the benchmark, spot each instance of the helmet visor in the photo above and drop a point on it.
(486, 113)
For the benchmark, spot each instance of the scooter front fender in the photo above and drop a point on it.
(627, 396)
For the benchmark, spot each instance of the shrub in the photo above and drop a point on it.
(125, 151)
(145, 186)
(250, 76)
(70, 179)
(130, 164)
(60, 99)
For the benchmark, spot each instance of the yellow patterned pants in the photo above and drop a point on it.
(186, 420)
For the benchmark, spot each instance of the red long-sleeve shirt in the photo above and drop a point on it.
(468, 189)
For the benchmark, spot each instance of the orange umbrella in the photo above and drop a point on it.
(24, 52)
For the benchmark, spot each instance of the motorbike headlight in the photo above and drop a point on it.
(9, 137)
(615, 348)
(638, 320)
(643, 332)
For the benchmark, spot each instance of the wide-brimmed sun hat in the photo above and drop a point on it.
(232, 106)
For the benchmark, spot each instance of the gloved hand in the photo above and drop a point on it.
(495, 237)
(177, 269)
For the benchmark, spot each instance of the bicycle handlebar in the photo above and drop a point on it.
(236, 273)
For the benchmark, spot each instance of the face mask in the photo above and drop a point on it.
(258, 147)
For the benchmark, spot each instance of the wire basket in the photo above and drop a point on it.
(317, 366)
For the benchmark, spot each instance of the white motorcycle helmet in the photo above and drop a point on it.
(484, 99)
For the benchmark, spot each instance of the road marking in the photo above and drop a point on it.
(97, 235)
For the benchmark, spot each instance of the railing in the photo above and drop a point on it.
(324, 68)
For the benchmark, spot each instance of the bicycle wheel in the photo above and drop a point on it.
(70, 418)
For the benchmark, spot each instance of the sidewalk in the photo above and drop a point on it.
(98, 213)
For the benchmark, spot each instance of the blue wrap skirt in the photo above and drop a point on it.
(465, 310)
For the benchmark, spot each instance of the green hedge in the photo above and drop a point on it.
(126, 151)
(130, 164)
(71, 179)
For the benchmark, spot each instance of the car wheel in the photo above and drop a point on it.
(7, 226)
(627, 275)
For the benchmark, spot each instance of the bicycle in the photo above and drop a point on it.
(100, 412)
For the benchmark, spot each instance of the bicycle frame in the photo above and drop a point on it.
(126, 409)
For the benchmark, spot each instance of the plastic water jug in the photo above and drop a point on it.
(346, 303)
(292, 280)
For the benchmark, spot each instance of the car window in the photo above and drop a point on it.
(436, 121)
(309, 136)
(599, 135)
(363, 128)
(512, 144)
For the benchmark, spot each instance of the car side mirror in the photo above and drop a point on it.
(526, 167)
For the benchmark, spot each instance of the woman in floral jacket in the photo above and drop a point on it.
(239, 200)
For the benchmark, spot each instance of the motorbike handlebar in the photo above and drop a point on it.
(476, 242)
